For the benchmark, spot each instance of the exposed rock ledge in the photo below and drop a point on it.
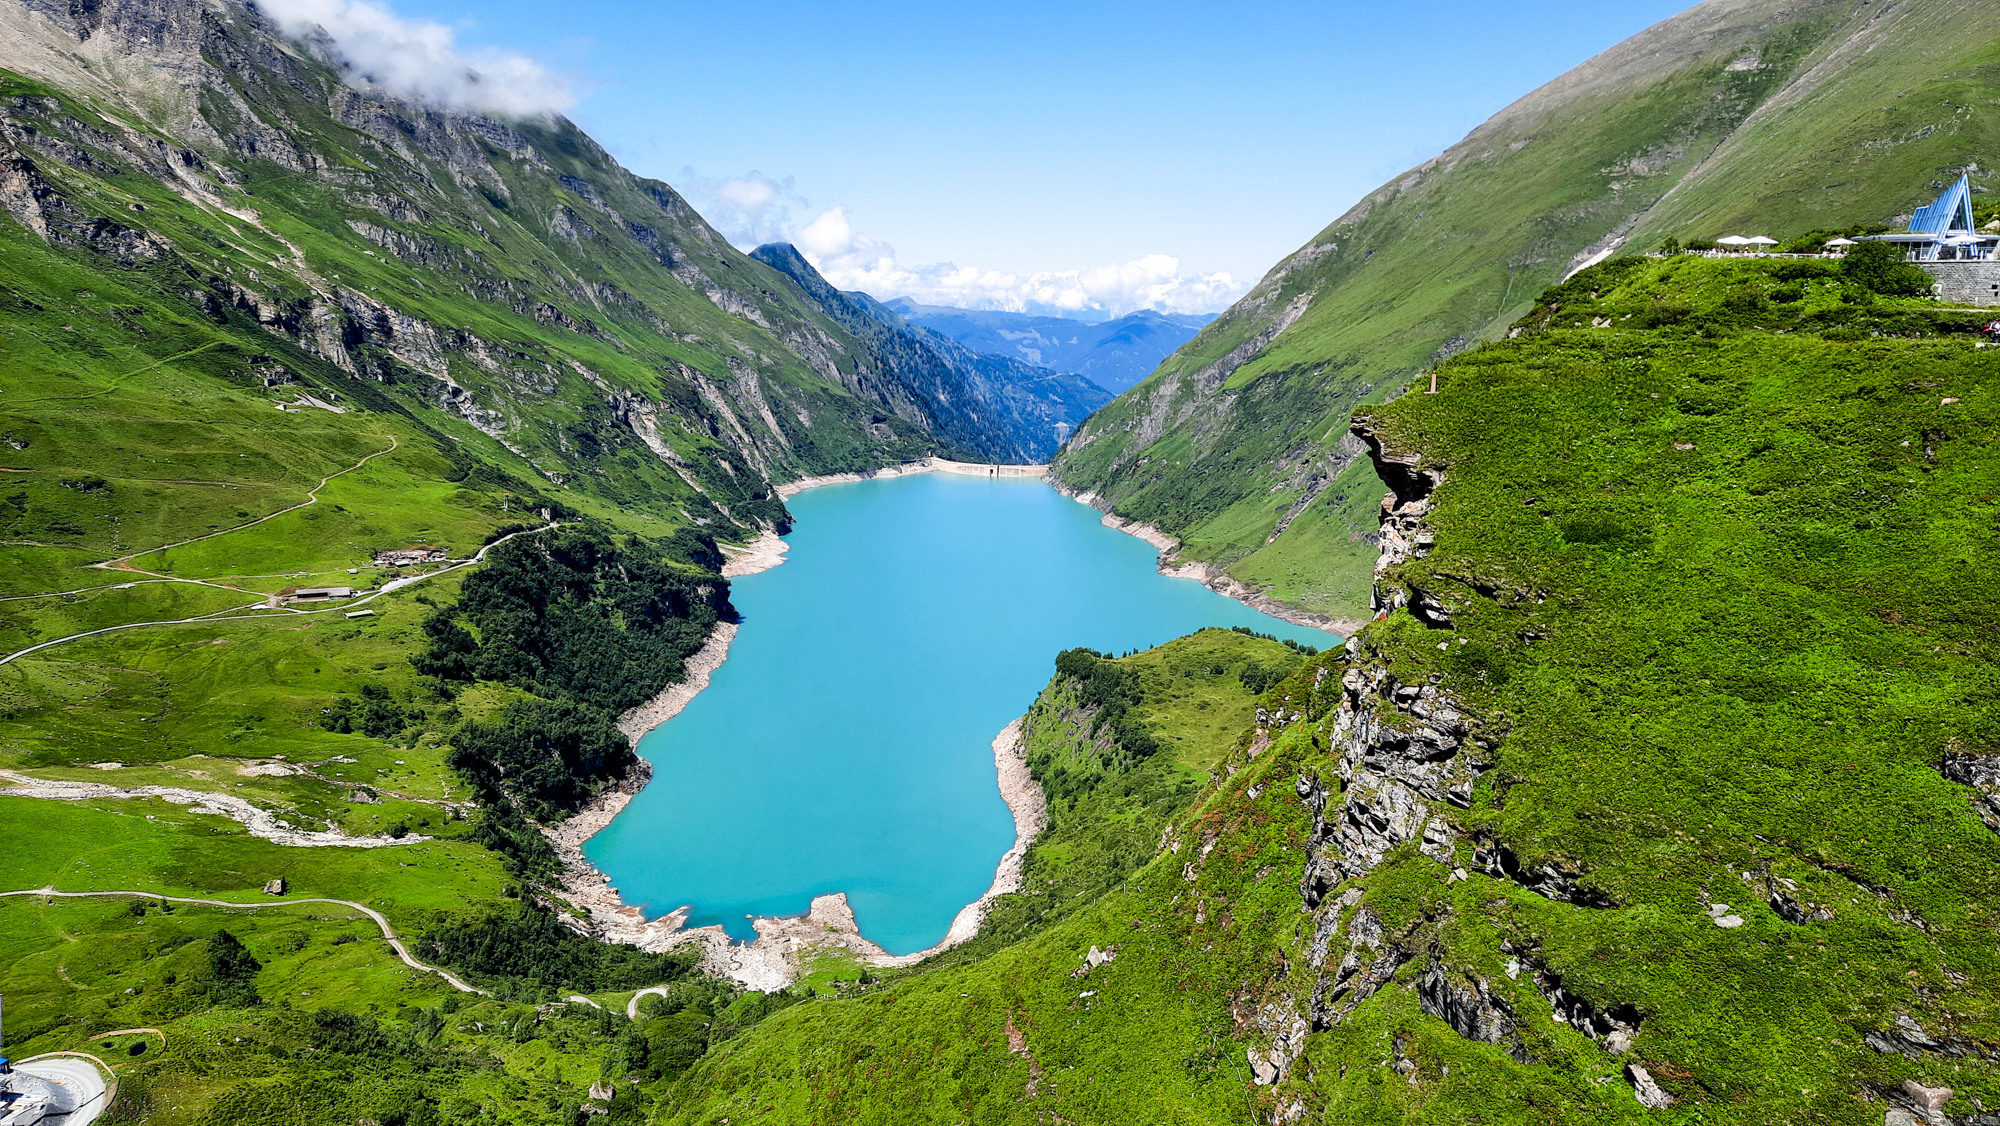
(1208, 575)
(259, 821)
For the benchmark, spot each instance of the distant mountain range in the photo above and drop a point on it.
(1024, 409)
(1115, 355)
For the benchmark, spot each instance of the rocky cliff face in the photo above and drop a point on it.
(506, 275)
(1398, 771)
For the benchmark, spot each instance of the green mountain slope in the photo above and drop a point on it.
(506, 282)
(1663, 794)
(258, 331)
(1777, 116)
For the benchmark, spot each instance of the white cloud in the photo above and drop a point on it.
(851, 259)
(420, 59)
(748, 210)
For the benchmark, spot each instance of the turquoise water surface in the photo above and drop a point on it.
(846, 744)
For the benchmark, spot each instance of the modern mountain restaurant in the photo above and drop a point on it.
(1944, 241)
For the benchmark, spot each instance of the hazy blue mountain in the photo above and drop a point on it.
(1007, 409)
(1114, 354)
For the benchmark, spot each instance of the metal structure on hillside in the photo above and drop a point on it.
(1943, 230)
(56, 1092)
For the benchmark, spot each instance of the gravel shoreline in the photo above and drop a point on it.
(911, 468)
(775, 958)
(1212, 577)
(1026, 802)
(583, 886)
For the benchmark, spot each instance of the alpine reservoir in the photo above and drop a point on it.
(845, 745)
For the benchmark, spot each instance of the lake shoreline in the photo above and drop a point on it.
(1030, 808)
(791, 489)
(1208, 575)
(582, 885)
(773, 960)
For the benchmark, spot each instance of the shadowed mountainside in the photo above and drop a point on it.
(1036, 408)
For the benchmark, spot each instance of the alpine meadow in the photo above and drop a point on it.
(1612, 501)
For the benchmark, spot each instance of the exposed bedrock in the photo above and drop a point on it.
(1469, 1005)
(1401, 761)
(1401, 758)
(1982, 773)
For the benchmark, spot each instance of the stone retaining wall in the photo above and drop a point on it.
(1966, 283)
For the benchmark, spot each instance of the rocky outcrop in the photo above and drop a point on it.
(1405, 529)
(1550, 879)
(1982, 773)
(1646, 1089)
(1279, 1021)
(1469, 1005)
(1399, 763)
(1611, 1029)
(1401, 760)
(1907, 1037)
(1370, 961)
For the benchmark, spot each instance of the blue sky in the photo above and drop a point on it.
(1157, 145)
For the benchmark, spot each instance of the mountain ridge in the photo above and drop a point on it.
(378, 196)
(1039, 406)
(1237, 444)
(1115, 353)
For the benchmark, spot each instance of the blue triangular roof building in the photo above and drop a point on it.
(1942, 230)
(1948, 214)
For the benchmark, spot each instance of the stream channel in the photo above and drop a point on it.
(846, 743)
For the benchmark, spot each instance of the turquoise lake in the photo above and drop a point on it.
(846, 743)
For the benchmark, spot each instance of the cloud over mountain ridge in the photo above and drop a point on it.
(376, 49)
(755, 209)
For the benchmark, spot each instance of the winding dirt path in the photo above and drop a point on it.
(395, 941)
(236, 614)
(260, 822)
(312, 498)
(632, 1006)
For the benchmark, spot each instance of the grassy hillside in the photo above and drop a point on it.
(1773, 118)
(1667, 774)
(440, 1056)
(987, 1032)
(256, 328)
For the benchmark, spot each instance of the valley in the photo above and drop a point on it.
(478, 646)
